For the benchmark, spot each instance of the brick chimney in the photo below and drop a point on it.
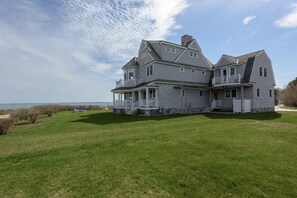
(185, 39)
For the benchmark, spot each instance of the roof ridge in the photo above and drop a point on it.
(250, 53)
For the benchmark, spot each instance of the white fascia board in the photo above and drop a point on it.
(172, 44)
(180, 55)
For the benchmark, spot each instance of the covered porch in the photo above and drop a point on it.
(232, 98)
(136, 98)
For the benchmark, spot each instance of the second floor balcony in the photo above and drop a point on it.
(127, 83)
(223, 80)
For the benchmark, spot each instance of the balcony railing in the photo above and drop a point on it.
(226, 80)
(127, 83)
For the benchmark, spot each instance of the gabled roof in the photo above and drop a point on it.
(240, 59)
(231, 58)
(245, 57)
(132, 62)
(157, 57)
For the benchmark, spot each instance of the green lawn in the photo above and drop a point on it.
(98, 154)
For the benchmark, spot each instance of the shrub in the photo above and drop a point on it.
(32, 116)
(48, 112)
(20, 114)
(5, 125)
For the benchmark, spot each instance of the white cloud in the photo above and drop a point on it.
(289, 20)
(63, 52)
(248, 19)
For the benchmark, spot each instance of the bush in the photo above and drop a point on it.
(5, 125)
(20, 114)
(48, 112)
(32, 116)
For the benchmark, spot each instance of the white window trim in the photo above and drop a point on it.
(235, 92)
(259, 73)
(257, 92)
(226, 93)
(234, 70)
(147, 74)
(193, 56)
(170, 49)
(265, 68)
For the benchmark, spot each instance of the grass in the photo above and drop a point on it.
(98, 154)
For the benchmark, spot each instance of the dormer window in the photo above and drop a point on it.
(171, 49)
(193, 54)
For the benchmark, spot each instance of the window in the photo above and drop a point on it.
(171, 49)
(125, 76)
(193, 71)
(201, 93)
(270, 93)
(258, 92)
(182, 69)
(193, 54)
(183, 93)
(131, 75)
(265, 72)
(149, 70)
(227, 94)
(203, 72)
(260, 71)
(233, 93)
(232, 71)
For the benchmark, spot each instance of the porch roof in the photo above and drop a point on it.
(227, 86)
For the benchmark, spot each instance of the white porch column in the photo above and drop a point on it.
(210, 100)
(121, 99)
(139, 98)
(132, 105)
(147, 97)
(157, 96)
(113, 98)
(241, 90)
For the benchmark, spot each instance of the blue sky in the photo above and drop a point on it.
(72, 50)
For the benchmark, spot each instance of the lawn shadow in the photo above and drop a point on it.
(104, 118)
(248, 116)
(110, 118)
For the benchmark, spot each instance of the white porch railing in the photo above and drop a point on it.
(226, 79)
(152, 103)
(127, 83)
(216, 104)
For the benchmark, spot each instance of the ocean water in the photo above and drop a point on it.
(28, 105)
